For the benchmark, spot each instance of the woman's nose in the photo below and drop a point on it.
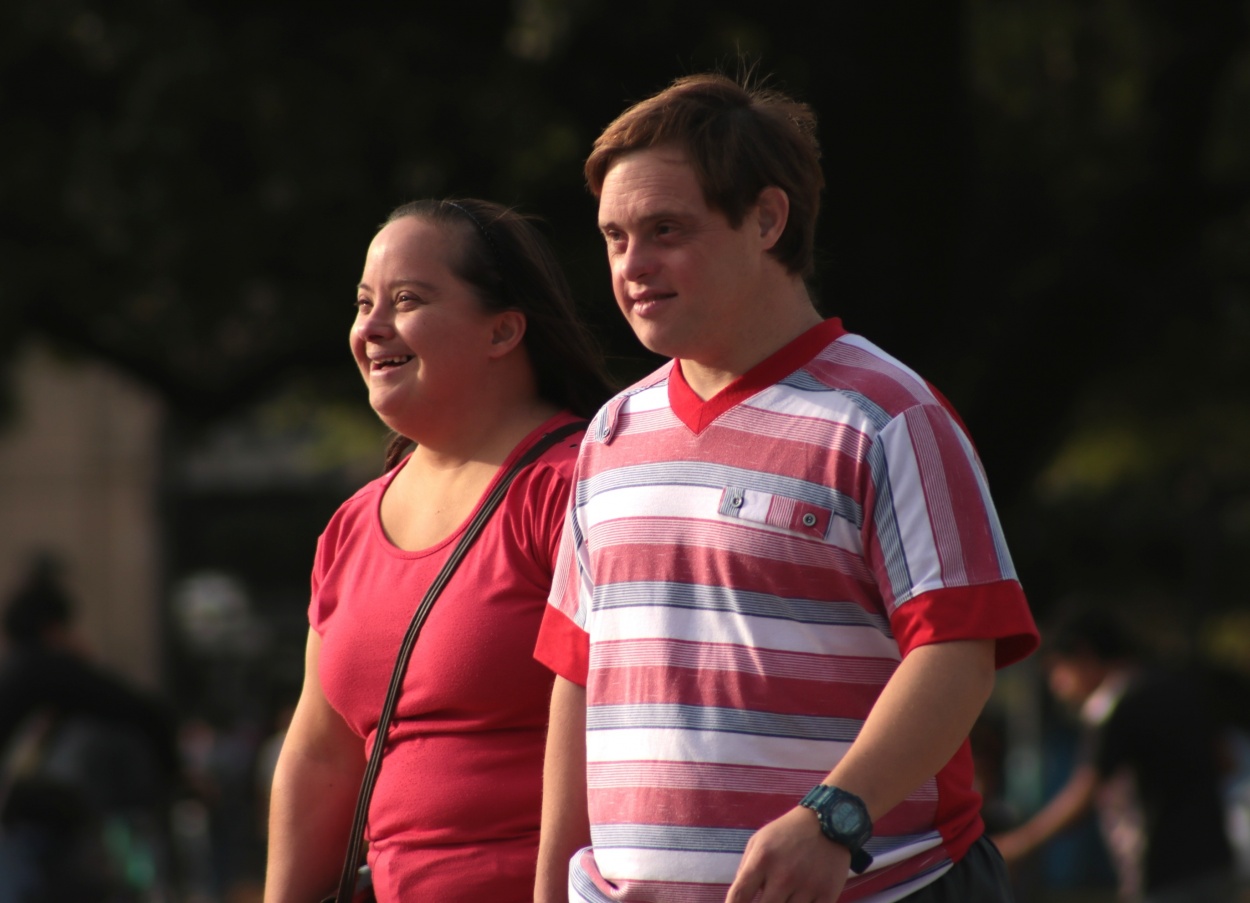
(374, 321)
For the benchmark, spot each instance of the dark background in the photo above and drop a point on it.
(1043, 207)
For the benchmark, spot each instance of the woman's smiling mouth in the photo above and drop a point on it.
(387, 363)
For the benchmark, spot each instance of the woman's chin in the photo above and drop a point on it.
(390, 410)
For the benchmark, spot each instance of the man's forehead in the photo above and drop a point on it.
(650, 161)
(648, 183)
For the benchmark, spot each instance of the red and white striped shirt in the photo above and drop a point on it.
(738, 580)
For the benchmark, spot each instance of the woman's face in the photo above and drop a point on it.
(421, 337)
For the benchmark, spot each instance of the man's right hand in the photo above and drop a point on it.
(791, 861)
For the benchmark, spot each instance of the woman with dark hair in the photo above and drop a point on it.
(470, 346)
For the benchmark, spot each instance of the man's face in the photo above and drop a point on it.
(684, 278)
(1073, 677)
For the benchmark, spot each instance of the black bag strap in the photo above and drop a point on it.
(354, 840)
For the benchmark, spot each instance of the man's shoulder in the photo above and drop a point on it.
(657, 377)
(852, 361)
(868, 378)
(649, 390)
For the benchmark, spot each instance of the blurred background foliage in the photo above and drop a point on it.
(1041, 205)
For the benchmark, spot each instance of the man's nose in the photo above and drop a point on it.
(636, 261)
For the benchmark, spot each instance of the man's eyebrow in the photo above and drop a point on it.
(648, 219)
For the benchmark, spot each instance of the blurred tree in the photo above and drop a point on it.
(187, 189)
(1110, 229)
(1042, 205)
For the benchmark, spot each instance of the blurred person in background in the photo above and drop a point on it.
(469, 343)
(90, 767)
(1150, 765)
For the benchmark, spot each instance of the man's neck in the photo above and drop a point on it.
(785, 320)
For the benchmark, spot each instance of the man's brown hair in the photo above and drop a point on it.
(739, 140)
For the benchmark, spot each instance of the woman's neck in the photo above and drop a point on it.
(485, 435)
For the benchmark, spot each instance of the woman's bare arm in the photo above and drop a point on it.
(314, 795)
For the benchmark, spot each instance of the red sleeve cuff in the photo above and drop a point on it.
(990, 611)
(563, 646)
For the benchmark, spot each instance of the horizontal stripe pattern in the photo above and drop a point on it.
(767, 663)
(740, 584)
(643, 480)
(697, 776)
(707, 718)
(743, 602)
(721, 537)
(694, 625)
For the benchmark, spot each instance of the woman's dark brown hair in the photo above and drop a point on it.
(510, 266)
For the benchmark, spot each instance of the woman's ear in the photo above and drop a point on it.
(772, 213)
(507, 332)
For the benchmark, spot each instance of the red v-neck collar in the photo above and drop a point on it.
(696, 413)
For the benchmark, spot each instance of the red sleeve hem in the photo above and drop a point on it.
(563, 646)
(990, 611)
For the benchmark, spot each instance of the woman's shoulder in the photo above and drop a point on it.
(562, 454)
(360, 505)
(368, 494)
(546, 482)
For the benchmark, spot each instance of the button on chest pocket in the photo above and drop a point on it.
(781, 511)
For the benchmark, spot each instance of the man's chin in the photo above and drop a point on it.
(654, 340)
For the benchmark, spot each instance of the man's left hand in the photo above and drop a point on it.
(790, 861)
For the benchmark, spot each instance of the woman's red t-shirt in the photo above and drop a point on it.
(455, 813)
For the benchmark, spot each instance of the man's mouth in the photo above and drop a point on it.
(648, 303)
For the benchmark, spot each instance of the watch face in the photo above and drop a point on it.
(844, 818)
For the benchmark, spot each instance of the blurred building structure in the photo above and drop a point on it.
(80, 470)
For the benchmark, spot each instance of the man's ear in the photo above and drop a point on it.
(772, 214)
(506, 332)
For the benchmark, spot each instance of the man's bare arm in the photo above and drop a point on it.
(565, 822)
(920, 720)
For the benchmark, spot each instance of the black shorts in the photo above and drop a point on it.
(980, 877)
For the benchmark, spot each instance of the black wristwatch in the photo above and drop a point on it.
(843, 819)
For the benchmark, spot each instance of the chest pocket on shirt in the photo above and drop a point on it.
(784, 512)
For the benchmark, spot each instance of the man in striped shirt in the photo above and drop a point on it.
(783, 589)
